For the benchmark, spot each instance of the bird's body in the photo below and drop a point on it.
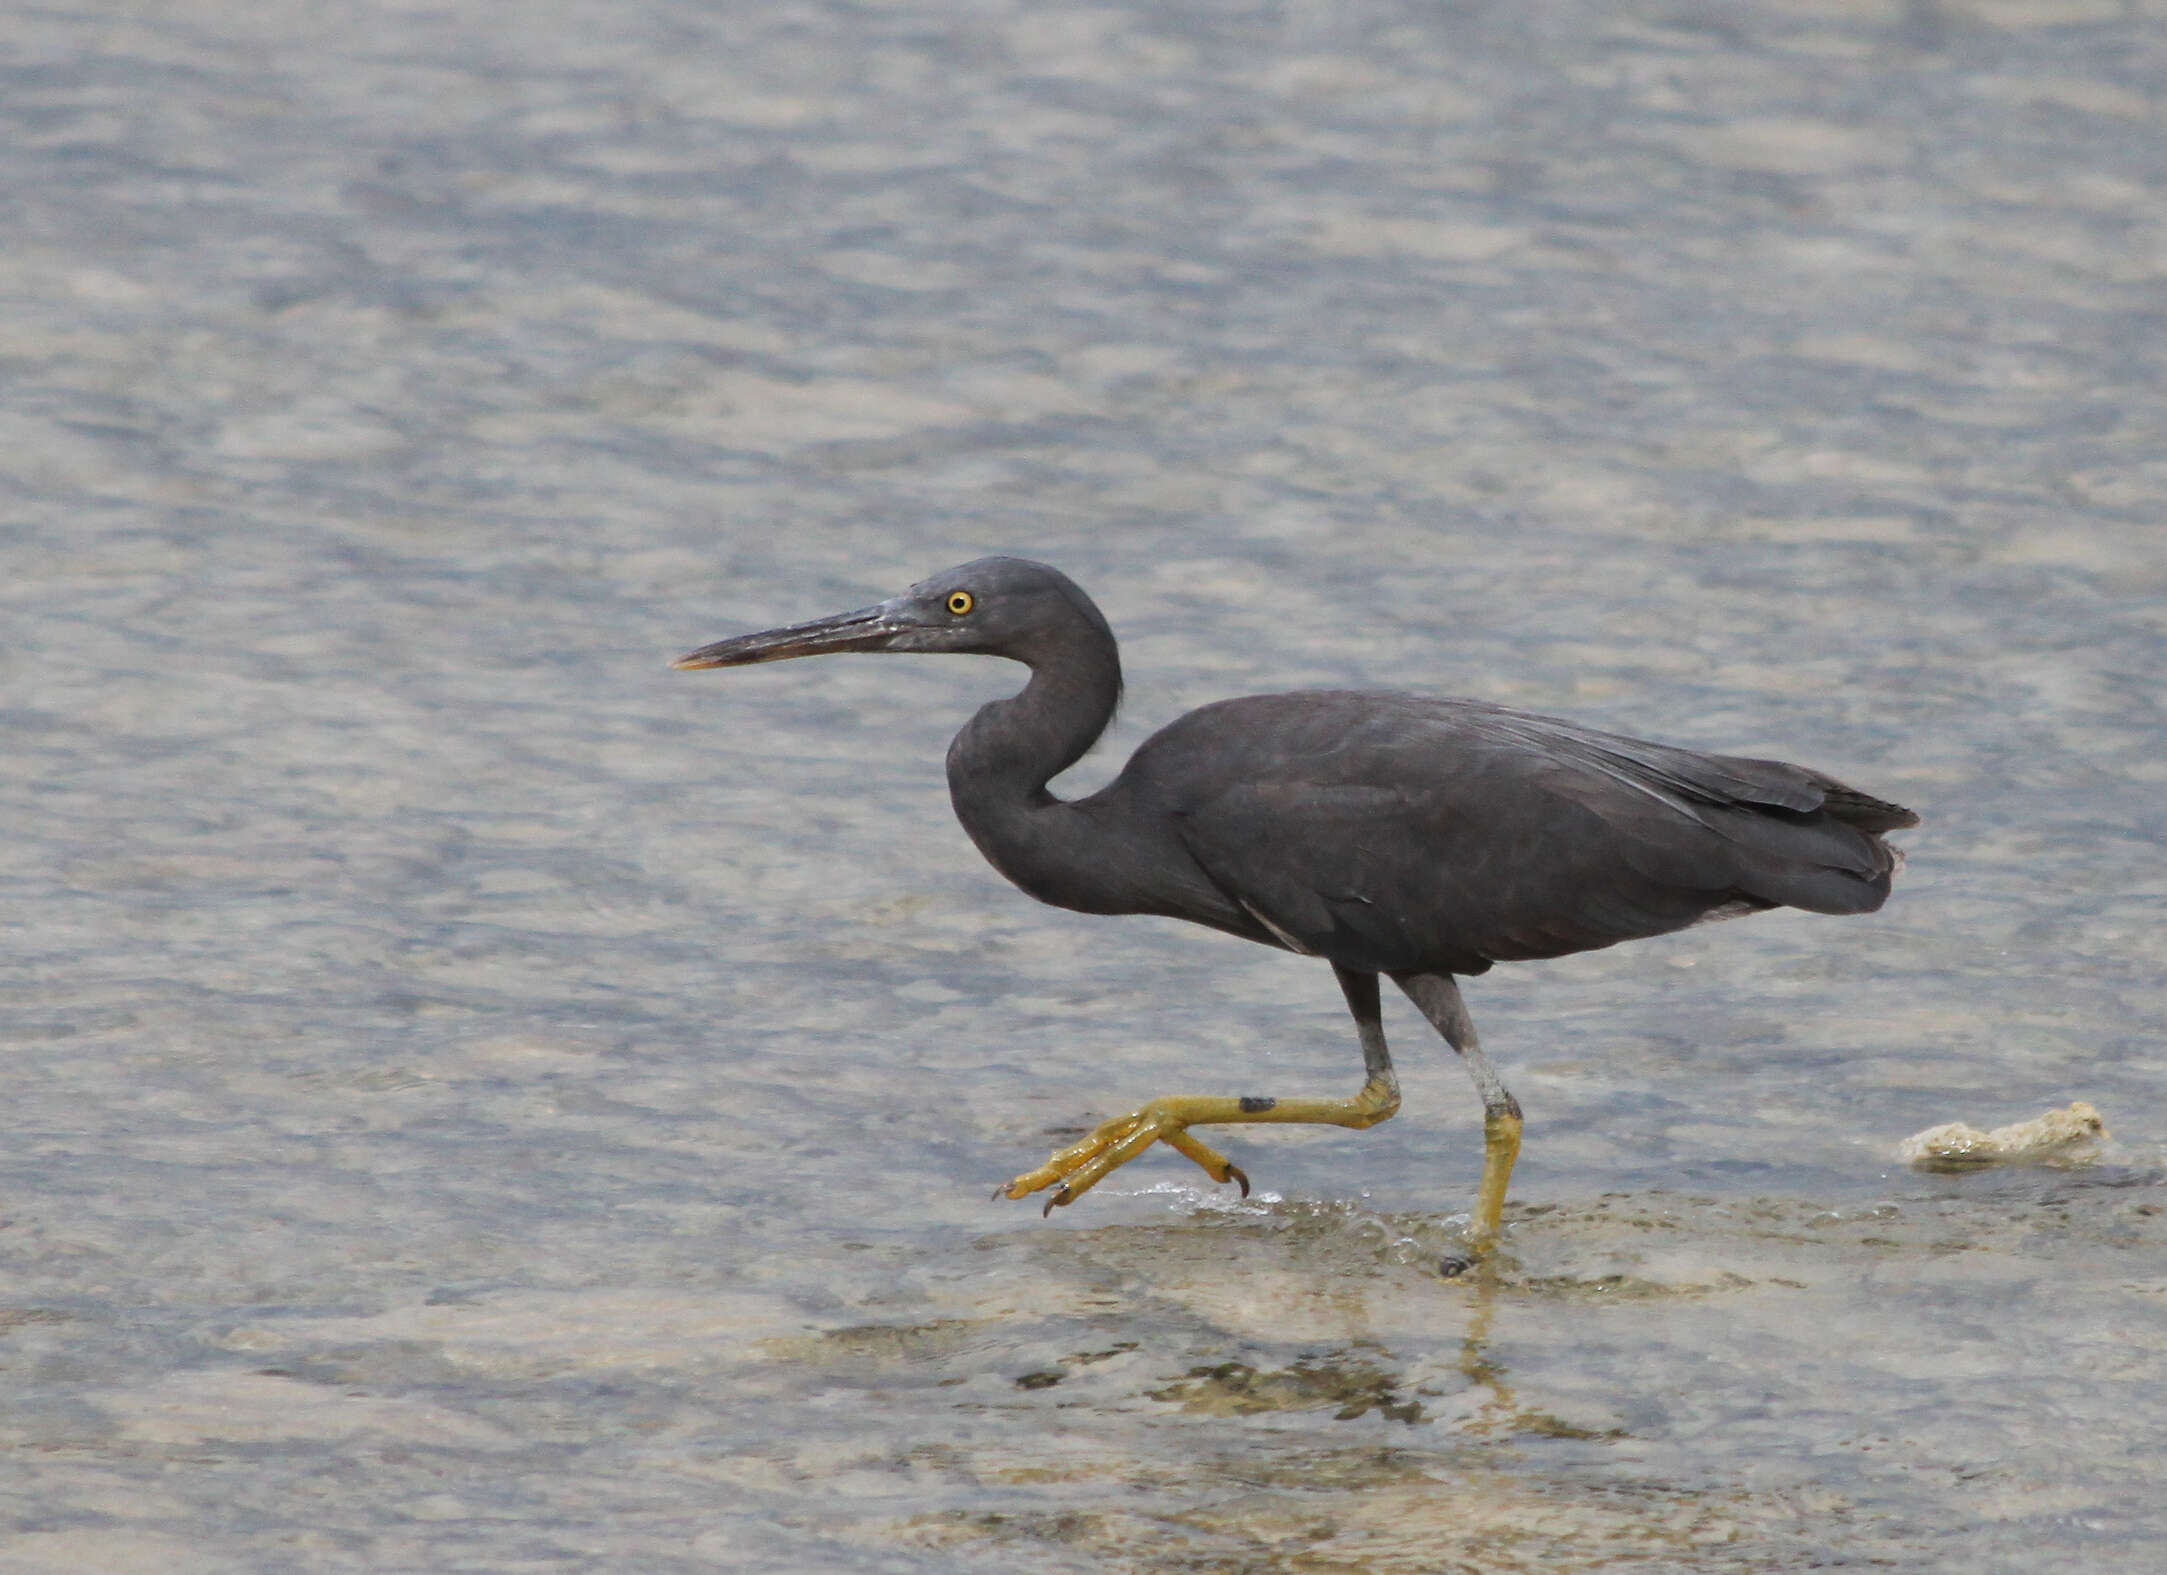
(1387, 833)
(1394, 833)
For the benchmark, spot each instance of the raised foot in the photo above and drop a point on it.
(1075, 1170)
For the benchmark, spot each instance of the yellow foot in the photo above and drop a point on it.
(1500, 1148)
(1078, 1168)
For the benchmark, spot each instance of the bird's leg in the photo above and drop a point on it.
(1438, 996)
(1078, 1168)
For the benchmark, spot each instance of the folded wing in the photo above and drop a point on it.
(1392, 832)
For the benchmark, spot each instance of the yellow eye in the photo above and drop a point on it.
(961, 602)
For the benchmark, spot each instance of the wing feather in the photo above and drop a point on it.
(1388, 831)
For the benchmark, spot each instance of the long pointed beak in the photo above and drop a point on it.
(867, 629)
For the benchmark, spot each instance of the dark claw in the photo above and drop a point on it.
(1454, 1264)
(1060, 1200)
(1235, 1173)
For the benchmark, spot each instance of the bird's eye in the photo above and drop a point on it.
(961, 602)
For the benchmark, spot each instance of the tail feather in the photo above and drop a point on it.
(1863, 810)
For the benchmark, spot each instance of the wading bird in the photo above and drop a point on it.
(1386, 833)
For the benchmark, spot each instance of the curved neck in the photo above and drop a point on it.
(999, 765)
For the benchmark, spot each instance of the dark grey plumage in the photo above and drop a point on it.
(1385, 832)
(1393, 833)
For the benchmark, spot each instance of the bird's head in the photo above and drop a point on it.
(994, 606)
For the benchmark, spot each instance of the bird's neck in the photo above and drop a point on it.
(999, 765)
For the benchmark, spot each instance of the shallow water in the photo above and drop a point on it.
(480, 1100)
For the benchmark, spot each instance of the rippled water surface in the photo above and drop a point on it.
(479, 1100)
